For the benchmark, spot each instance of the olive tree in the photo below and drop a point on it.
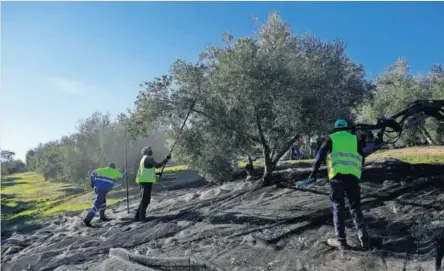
(261, 91)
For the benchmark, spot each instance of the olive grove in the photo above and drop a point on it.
(252, 97)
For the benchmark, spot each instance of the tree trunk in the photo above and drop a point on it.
(285, 149)
(427, 136)
(268, 170)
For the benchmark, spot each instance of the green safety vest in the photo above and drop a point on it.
(105, 178)
(344, 157)
(145, 175)
(109, 172)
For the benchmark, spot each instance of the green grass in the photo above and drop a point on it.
(242, 164)
(412, 158)
(31, 186)
(298, 161)
(28, 196)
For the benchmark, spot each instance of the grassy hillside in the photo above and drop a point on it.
(26, 197)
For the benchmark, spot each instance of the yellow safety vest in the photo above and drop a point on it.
(145, 175)
(105, 178)
(344, 157)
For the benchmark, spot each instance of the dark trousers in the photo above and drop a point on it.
(313, 151)
(98, 205)
(346, 186)
(439, 252)
(145, 201)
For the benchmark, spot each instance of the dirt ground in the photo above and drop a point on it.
(234, 227)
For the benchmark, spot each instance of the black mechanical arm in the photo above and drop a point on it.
(392, 127)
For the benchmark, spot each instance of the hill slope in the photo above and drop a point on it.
(230, 227)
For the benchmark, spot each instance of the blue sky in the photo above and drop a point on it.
(61, 61)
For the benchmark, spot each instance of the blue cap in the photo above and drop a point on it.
(340, 124)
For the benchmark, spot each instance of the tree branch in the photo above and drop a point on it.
(285, 149)
(202, 113)
(254, 139)
(263, 141)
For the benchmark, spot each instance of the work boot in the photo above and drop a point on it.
(103, 217)
(336, 243)
(87, 223)
(88, 219)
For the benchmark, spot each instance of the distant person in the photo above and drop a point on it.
(344, 162)
(146, 176)
(102, 181)
(319, 141)
(302, 148)
(249, 168)
(313, 147)
(295, 152)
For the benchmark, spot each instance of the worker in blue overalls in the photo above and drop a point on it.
(102, 181)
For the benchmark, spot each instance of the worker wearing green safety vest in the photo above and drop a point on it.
(344, 153)
(146, 176)
(313, 146)
(102, 181)
(344, 157)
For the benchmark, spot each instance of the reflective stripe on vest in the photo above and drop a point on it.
(106, 177)
(344, 157)
(145, 175)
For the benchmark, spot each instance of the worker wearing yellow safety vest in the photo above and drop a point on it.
(102, 181)
(146, 176)
(344, 152)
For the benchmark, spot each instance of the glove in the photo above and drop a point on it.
(305, 182)
(168, 157)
